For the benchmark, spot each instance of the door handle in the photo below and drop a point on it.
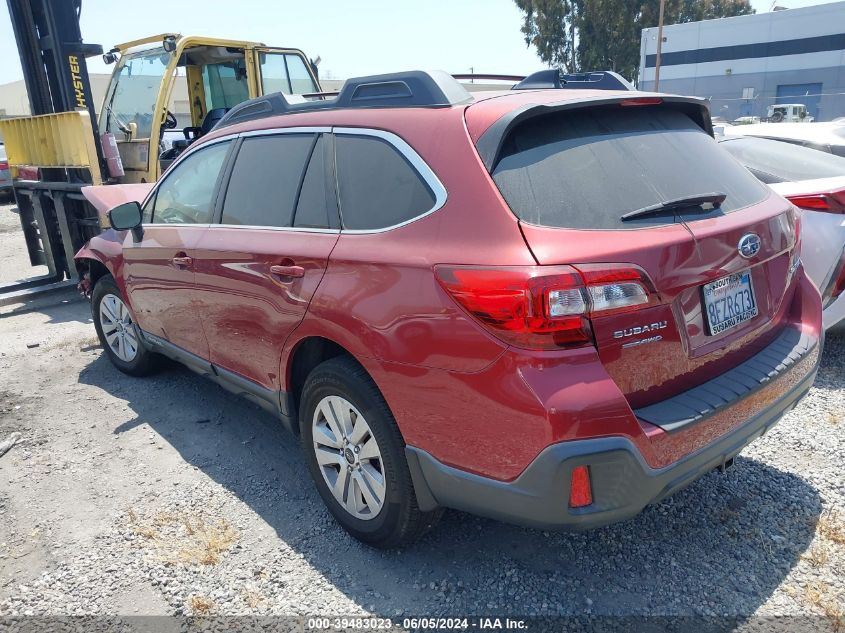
(182, 261)
(287, 271)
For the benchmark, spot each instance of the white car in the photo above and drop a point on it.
(5, 174)
(815, 183)
(827, 137)
(781, 112)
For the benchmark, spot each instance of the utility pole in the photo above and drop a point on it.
(659, 47)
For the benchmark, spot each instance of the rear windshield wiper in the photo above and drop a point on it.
(715, 199)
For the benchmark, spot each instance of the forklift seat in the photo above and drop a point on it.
(211, 119)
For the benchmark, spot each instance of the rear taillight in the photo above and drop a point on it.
(4, 165)
(837, 284)
(831, 202)
(616, 288)
(795, 257)
(545, 307)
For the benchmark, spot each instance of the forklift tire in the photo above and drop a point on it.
(116, 329)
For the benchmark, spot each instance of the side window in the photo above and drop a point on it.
(147, 211)
(185, 195)
(300, 80)
(285, 73)
(224, 85)
(316, 207)
(274, 73)
(265, 180)
(377, 186)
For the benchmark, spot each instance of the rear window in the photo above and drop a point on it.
(584, 169)
(773, 161)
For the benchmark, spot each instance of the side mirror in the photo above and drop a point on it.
(127, 217)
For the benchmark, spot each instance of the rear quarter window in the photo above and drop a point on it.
(584, 169)
(377, 186)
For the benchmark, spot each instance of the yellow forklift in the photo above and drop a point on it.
(63, 147)
(217, 74)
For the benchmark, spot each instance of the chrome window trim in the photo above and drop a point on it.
(259, 227)
(175, 226)
(441, 196)
(287, 130)
(419, 165)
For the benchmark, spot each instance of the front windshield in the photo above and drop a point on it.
(134, 92)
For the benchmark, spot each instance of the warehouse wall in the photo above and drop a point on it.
(747, 63)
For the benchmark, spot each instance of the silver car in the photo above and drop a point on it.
(826, 137)
(815, 183)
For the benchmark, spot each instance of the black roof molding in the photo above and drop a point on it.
(410, 89)
(593, 80)
(490, 143)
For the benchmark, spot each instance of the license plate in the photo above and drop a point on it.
(729, 301)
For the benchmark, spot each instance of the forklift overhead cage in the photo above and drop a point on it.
(65, 145)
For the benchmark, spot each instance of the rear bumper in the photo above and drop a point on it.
(622, 482)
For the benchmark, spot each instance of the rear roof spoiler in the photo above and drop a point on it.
(555, 78)
(490, 143)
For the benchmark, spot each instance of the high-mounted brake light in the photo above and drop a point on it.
(545, 307)
(641, 101)
(831, 202)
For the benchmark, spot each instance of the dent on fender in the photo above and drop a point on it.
(104, 249)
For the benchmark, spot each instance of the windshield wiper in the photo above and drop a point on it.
(715, 199)
(120, 124)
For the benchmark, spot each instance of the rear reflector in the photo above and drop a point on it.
(580, 490)
(830, 202)
(545, 307)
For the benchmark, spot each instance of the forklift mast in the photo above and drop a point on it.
(55, 218)
(53, 57)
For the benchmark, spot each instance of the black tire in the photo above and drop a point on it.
(400, 521)
(145, 361)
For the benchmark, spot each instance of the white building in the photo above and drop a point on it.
(746, 63)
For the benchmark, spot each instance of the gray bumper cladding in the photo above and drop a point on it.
(622, 482)
(744, 379)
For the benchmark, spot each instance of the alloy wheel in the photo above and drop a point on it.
(118, 328)
(349, 457)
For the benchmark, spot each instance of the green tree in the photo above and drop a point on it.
(605, 34)
(549, 26)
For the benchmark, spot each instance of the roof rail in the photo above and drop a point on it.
(593, 80)
(411, 89)
(495, 77)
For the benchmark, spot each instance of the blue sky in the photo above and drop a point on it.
(352, 37)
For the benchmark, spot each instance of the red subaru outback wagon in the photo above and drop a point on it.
(551, 307)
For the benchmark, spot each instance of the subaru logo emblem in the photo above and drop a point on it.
(749, 245)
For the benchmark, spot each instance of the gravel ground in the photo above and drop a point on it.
(166, 495)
